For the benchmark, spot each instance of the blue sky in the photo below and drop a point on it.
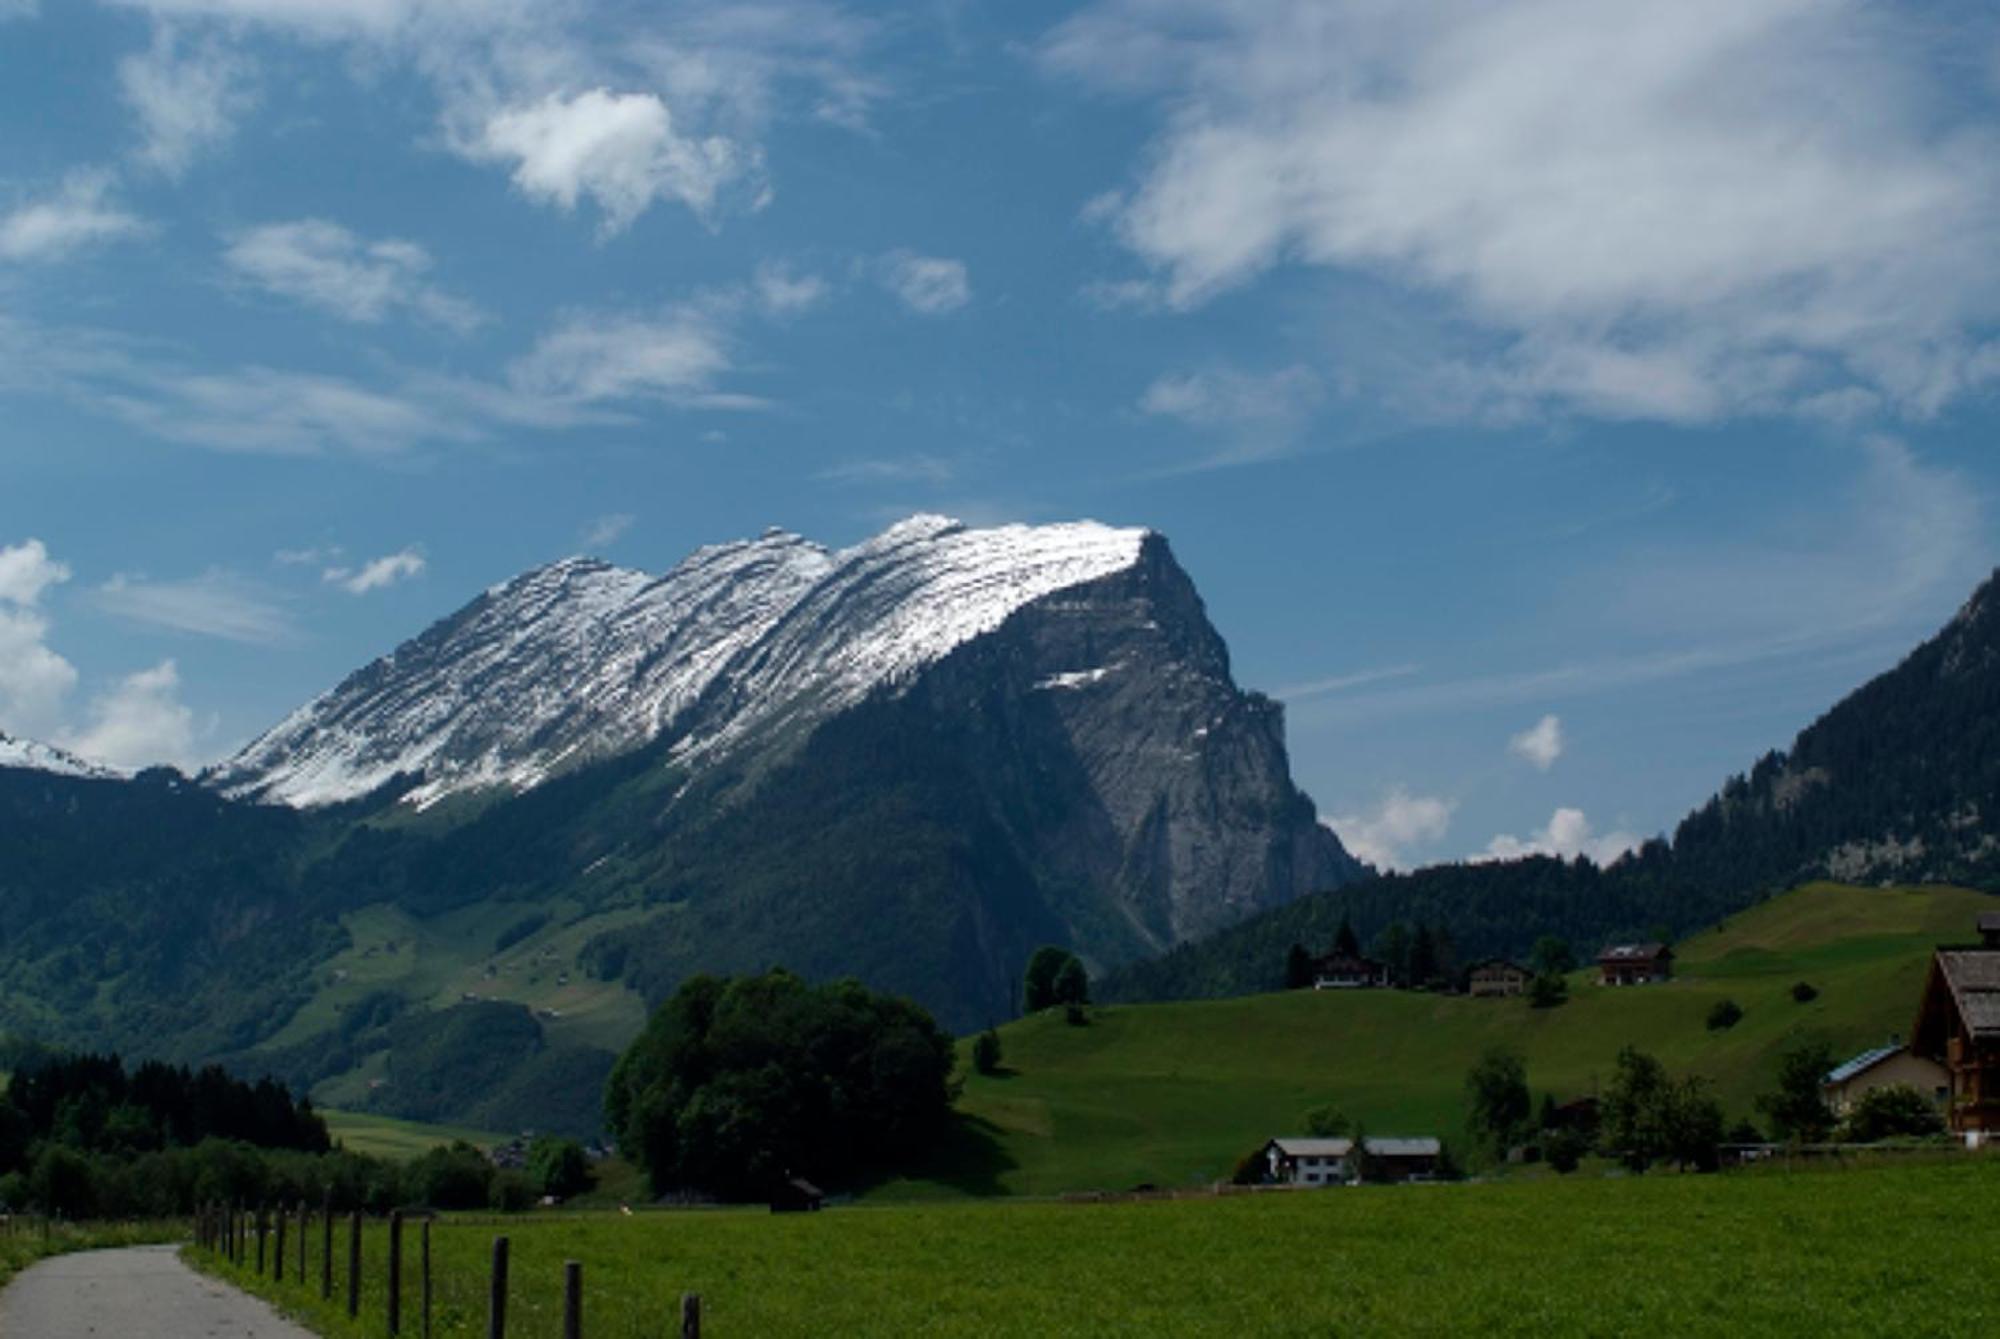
(1558, 403)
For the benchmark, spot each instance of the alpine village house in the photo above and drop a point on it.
(1958, 1025)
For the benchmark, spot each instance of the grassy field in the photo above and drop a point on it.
(399, 1140)
(1173, 1094)
(1874, 1249)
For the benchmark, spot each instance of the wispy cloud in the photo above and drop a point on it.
(214, 604)
(79, 214)
(188, 96)
(1341, 683)
(323, 265)
(379, 573)
(605, 531)
(927, 285)
(918, 467)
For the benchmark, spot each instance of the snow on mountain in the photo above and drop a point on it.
(27, 754)
(581, 660)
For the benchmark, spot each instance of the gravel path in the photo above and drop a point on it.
(125, 1294)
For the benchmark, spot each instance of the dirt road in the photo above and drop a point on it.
(142, 1292)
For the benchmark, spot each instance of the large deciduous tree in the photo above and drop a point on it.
(736, 1084)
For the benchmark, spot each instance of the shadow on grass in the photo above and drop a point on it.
(968, 1158)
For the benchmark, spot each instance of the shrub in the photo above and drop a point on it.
(1895, 1111)
(1547, 990)
(1074, 1014)
(986, 1052)
(1328, 1122)
(1723, 1015)
(1565, 1148)
(1804, 992)
(1251, 1169)
(454, 1176)
(1497, 1090)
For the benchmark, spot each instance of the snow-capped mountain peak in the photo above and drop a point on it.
(581, 660)
(32, 756)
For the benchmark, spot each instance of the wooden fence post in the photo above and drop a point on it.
(496, 1292)
(395, 1271)
(305, 1221)
(262, 1228)
(326, 1248)
(354, 1265)
(426, 1252)
(278, 1254)
(690, 1316)
(573, 1299)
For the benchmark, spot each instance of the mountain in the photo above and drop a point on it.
(912, 761)
(1898, 782)
(28, 755)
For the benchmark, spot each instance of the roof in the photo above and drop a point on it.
(1405, 1148)
(804, 1187)
(1423, 1147)
(1860, 1064)
(1348, 961)
(1634, 952)
(1508, 963)
(1973, 974)
(1989, 922)
(1314, 1148)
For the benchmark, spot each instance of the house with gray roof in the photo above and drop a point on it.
(1884, 1067)
(1301, 1161)
(1958, 1026)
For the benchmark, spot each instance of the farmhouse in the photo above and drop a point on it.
(1958, 1026)
(1634, 964)
(1347, 971)
(1497, 976)
(1883, 1067)
(1331, 1162)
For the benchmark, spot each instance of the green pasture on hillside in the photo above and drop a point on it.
(1876, 1249)
(1174, 1094)
(399, 1140)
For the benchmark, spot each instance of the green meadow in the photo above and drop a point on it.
(398, 1140)
(1174, 1094)
(1872, 1249)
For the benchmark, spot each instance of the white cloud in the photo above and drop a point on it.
(1568, 835)
(619, 149)
(34, 680)
(1540, 744)
(377, 574)
(927, 285)
(781, 292)
(188, 97)
(606, 530)
(263, 409)
(79, 214)
(26, 570)
(323, 265)
(1674, 212)
(139, 722)
(676, 357)
(214, 604)
(1394, 829)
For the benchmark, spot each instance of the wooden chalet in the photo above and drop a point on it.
(1497, 976)
(1634, 964)
(1347, 971)
(1958, 1025)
